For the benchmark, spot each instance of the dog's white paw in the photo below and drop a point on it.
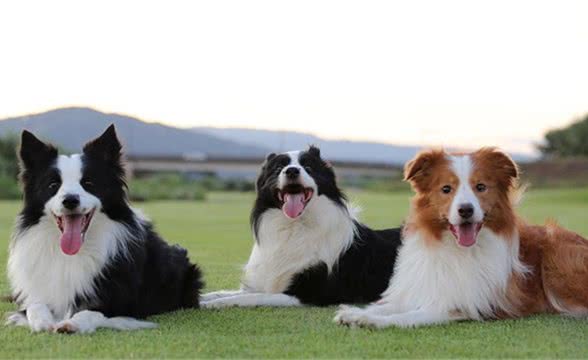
(66, 327)
(16, 319)
(214, 304)
(349, 315)
(41, 324)
(40, 318)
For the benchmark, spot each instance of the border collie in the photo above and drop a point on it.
(80, 257)
(467, 255)
(309, 248)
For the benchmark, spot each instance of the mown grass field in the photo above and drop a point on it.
(217, 235)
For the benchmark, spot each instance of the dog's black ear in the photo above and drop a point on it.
(106, 147)
(262, 177)
(33, 152)
(314, 151)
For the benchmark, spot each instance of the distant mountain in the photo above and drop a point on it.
(71, 128)
(337, 150)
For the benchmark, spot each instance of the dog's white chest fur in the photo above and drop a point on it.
(447, 277)
(40, 272)
(285, 247)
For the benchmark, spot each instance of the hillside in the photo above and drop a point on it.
(341, 150)
(70, 128)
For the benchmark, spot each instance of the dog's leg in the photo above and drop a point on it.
(220, 294)
(40, 318)
(409, 319)
(347, 315)
(252, 300)
(17, 318)
(88, 321)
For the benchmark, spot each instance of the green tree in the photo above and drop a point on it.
(9, 188)
(8, 158)
(567, 142)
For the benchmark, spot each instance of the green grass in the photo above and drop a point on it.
(217, 236)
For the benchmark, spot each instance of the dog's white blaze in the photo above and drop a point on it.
(462, 166)
(285, 247)
(70, 169)
(306, 180)
(40, 272)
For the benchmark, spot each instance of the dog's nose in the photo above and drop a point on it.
(292, 173)
(71, 201)
(466, 211)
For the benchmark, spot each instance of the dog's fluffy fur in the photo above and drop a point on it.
(309, 248)
(111, 268)
(467, 255)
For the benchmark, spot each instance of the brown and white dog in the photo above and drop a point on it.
(467, 255)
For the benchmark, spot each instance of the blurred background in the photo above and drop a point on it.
(200, 92)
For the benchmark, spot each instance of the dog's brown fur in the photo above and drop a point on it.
(557, 259)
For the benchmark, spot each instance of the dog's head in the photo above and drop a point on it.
(462, 193)
(72, 189)
(292, 181)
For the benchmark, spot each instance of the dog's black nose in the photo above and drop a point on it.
(71, 201)
(292, 172)
(466, 211)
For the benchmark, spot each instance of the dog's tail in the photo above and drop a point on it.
(193, 284)
(192, 281)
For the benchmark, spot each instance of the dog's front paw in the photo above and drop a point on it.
(349, 316)
(16, 319)
(40, 318)
(214, 304)
(40, 324)
(66, 327)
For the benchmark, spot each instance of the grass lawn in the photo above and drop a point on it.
(217, 235)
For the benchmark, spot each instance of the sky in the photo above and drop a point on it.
(452, 73)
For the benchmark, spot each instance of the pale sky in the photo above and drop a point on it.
(455, 73)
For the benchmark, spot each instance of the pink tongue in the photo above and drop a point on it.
(293, 205)
(71, 239)
(466, 235)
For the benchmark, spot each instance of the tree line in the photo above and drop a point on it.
(571, 141)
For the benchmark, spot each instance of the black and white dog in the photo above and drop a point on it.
(81, 258)
(309, 248)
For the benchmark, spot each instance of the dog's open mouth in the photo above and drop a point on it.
(294, 199)
(73, 229)
(466, 233)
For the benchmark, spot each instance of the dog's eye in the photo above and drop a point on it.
(481, 187)
(87, 183)
(280, 168)
(54, 185)
(308, 169)
(446, 189)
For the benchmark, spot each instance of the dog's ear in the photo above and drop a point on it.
(33, 152)
(106, 147)
(502, 164)
(418, 169)
(262, 176)
(314, 151)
